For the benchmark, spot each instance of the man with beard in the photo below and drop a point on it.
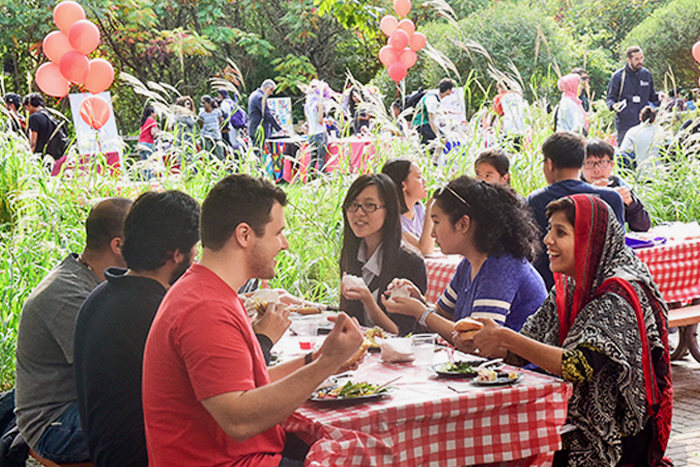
(630, 90)
(208, 398)
(160, 233)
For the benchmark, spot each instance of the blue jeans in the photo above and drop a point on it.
(63, 441)
(318, 143)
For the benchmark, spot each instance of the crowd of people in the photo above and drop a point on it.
(126, 351)
(130, 353)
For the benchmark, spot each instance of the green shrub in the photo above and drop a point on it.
(667, 37)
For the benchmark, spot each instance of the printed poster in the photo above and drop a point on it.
(89, 140)
(281, 107)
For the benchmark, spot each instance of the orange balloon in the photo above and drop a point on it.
(95, 112)
(51, 81)
(388, 55)
(84, 36)
(66, 13)
(408, 26)
(55, 45)
(74, 66)
(397, 71)
(696, 51)
(418, 41)
(388, 25)
(100, 77)
(399, 40)
(402, 7)
(408, 57)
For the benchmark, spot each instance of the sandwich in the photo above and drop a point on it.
(467, 327)
(357, 356)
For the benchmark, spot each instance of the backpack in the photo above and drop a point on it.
(412, 100)
(238, 118)
(58, 137)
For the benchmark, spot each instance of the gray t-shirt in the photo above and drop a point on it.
(45, 381)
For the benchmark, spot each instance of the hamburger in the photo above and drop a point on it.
(467, 327)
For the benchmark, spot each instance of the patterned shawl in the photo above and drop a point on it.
(596, 310)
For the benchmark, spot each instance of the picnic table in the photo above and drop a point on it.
(424, 421)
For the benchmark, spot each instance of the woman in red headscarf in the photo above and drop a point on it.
(604, 329)
(569, 114)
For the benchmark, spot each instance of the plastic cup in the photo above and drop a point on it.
(423, 346)
(306, 329)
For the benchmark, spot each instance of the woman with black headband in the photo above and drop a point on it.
(493, 228)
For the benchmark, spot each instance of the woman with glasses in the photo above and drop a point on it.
(493, 228)
(410, 188)
(372, 250)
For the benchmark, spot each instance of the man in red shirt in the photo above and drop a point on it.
(208, 397)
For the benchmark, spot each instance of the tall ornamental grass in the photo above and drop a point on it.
(42, 217)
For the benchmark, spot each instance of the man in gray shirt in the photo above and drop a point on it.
(46, 408)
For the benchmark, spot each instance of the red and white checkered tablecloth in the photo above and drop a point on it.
(426, 423)
(675, 267)
(440, 270)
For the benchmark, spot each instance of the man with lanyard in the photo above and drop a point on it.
(424, 120)
(630, 89)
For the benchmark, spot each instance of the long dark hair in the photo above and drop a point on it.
(147, 112)
(398, 170)
(391, 230)
(503, 221)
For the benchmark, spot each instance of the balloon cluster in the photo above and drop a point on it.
(400, 52)
(696, 54)
(68, 50)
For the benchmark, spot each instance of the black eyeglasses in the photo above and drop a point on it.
(447, 187)
(367, 208)
(603, 164)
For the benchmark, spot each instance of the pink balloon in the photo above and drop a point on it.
(402, 7)
(95, 112)
(388, 25)
(50, 80)
(418, 41)
(408, 26)
(100, 77)
(66, 13)
(696, 51)
(397, 71)
(408, 57)
(399, 40)
(388, 55)
(55, 45)
(74, 66)
(84, 36)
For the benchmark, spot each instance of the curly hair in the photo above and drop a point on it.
(503, 221)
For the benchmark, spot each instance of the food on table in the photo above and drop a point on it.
(457, 367)
(371, 333)
(467, 327)
(357, 356)
(305, 310)
(351, 390)
(487, 376)
(512, 375)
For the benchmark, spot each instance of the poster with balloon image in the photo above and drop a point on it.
(90, 140)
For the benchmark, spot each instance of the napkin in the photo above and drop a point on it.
(397, 350)
(351, 281)
(400, 291)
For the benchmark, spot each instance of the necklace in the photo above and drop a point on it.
(82, 261)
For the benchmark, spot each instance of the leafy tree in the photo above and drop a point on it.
(667, 38)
